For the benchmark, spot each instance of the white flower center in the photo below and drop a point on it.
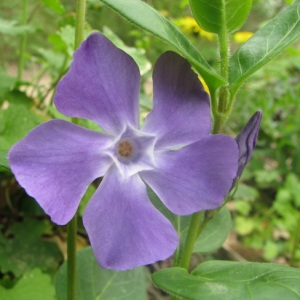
(133, 151)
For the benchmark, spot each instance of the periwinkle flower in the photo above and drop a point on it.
(174, 153)
(246, 141)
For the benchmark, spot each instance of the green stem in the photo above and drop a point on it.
(71, 262)
(224, 65)
(190, 240)
(80, 22)
(23, 41)
(296, 243)
(219, 121)
(221, 114)
(72, 225)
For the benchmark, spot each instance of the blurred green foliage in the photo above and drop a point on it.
(267, 216)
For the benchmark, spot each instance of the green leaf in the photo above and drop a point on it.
(55, 5)
(13, 28)
(33, 285)
(16, 119)
(95, 283)
(25, 250)
(4, 166)
(51, 58)
(151, 20)
(265, 44)
(6, 82)
(218, 15)
(244, 225)
(226, 280)
(214, 233)
(293, 185)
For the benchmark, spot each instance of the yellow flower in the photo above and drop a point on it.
(210, 36)
(242, 36)
(190, 26)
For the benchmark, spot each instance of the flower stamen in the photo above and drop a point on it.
(125, 149)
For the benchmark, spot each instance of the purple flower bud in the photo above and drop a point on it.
(246, 141)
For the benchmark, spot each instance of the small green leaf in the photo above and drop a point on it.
(95, 283)
(6, 82)
(226, 280)
(13, 28)
(4, 166)
(152, 21)
(25, 249)
(55, 5)
(32, 285)
(265, 44)
(244, 225)
(218, 15)
(293, 185)
(16, 119)
(215, 232)
(270, 250)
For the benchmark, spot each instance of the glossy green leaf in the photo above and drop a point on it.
(227, 280)
(218, 15)
(152, 21)
(33, 285)
(25, 250)
(95, 283)
(214, 233)
(265, 44)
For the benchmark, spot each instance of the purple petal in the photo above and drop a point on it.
(196, 177)
(247, 139)
(124, 228)
(181, 113)
(56, 162)
(102, 85)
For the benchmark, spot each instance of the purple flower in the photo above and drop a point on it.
(246, 141)
(58, 160)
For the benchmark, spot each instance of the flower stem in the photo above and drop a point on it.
(23, 41)
(224, 63)
(190, 240)
(80, 22)
(71, 262)
(72, 225)
(221, 113)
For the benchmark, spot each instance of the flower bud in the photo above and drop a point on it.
(246, 141)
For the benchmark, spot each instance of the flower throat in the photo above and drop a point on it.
(125, 149)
